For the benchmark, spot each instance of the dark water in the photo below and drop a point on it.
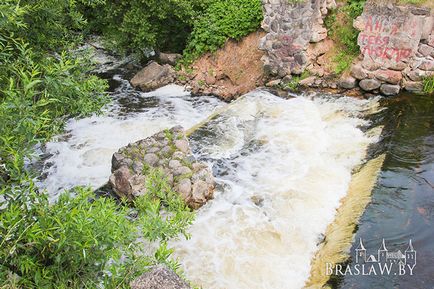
(402, 206)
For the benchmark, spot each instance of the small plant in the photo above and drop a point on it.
(294, 82)
(428, 84)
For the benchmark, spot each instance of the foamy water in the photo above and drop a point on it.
(83, 155)
(284, 164)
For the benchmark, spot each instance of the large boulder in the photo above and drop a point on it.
(153, 76)
(169, 152)
(159, 277)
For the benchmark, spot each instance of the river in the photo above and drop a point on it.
(282, 167)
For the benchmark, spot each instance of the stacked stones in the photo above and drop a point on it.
(169, 152)
(397, 48)
(290, 28)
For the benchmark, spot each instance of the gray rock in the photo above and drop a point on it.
(425, 49)
(179, 171)
(173, 164)
(151, 159)
(309, 81)
(184, 189)
(117, 160)
(389, 89)
(153, 76)
(120, 182)
(369, 84)
(182, 145)
(347, 82)
(358, 72)
(427, 65)
(159, 277)
(201, 192)
(413, 86)
(169, 58)
(273, 83)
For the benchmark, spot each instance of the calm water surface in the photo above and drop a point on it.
(402, 206)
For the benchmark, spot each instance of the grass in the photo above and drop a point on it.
(428, 84)
(339, 24)
(295, 81)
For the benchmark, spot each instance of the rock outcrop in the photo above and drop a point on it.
(169, 152)
(153, 76)
(232, 71)
(396, 45)
(159, 277)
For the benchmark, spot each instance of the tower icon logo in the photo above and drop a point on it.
(383, 262)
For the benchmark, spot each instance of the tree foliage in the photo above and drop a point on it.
(223, 20)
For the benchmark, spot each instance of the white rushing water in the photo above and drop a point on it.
(83, 155)
(282, 165)
(287, 165)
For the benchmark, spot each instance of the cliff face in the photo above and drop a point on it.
(232, 71)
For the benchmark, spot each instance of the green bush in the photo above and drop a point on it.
(223, 20)
(81, 241)
(140, 25)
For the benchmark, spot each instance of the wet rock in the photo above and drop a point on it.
(273, 83)
(120, 181)
(184, 189)
(358, 72)
(389, 89)
(180, 171)
(153, 76)
(117, 160)
(309, 81)
(193, 180)
(169, 58)
(200, 194)
(347, 81)
(390, 76)
(151, 159)
(427, 65)
(369, 84)
(413, 86)
(182, 145)
(159, 277)
(173, 164)
(425, 49)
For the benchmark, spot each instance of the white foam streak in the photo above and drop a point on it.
(262, 230)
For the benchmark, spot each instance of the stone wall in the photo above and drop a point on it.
(290, 28)
(397, 47)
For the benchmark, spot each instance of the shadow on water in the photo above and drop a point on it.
(402, 206)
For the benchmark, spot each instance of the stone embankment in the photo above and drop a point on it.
(169, 152)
